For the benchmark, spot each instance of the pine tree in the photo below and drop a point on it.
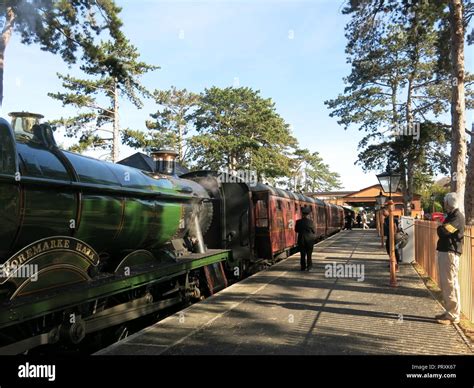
(238, 129)
(311, 174)
(115, 71)
(170, 125)
(394, 86)
(67, 28)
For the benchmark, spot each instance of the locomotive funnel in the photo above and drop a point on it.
(165, 160)
(23, 122)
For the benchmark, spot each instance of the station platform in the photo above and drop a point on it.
(328, 311)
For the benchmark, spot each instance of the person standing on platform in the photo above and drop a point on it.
(306, 238)
(449, 247)
(349, 221)
(386, 232)
(364, 220)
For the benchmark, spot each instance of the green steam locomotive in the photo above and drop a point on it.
(86, 244)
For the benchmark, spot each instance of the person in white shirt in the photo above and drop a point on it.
(364, 221)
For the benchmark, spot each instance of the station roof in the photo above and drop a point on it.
(367, 194)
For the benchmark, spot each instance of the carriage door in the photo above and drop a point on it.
(328, 219)
(236, 204)
(262, 245)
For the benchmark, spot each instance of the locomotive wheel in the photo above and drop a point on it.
(73, 332)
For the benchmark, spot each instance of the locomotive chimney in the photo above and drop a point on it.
(27, 125)
(165, 161)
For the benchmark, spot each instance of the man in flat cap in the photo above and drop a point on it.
(306, 238)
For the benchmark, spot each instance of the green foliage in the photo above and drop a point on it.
(429, 151)
(443, 45)
(170, 125)
(64, 27)
(115, 71)
(238, 129)
(233, 129)
(118, 60)
(311, 174)
(395, 82)
(432, 194)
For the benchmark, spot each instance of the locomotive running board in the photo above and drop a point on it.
(110, 317)
(27, 308)
(114, 315)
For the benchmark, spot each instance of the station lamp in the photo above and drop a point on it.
(389, 182)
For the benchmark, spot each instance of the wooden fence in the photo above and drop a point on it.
(426, 256)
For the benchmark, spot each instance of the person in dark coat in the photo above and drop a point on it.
(387, 234)
(306, 238)
(349, 221)
(449, 247)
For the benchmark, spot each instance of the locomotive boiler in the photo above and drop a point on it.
(93, 239)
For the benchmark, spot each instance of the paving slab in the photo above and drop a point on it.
(332, 310)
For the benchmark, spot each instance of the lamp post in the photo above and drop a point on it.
(433, 197)
(389, 182)
(377, 220)
(381, 202)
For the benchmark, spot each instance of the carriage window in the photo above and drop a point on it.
(290, 223)
(279, 214)
(261, 214)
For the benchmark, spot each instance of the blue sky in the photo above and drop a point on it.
(292, 51)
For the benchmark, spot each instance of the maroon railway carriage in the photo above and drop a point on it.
(276, 212)
(335, 218)
(257, 222)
